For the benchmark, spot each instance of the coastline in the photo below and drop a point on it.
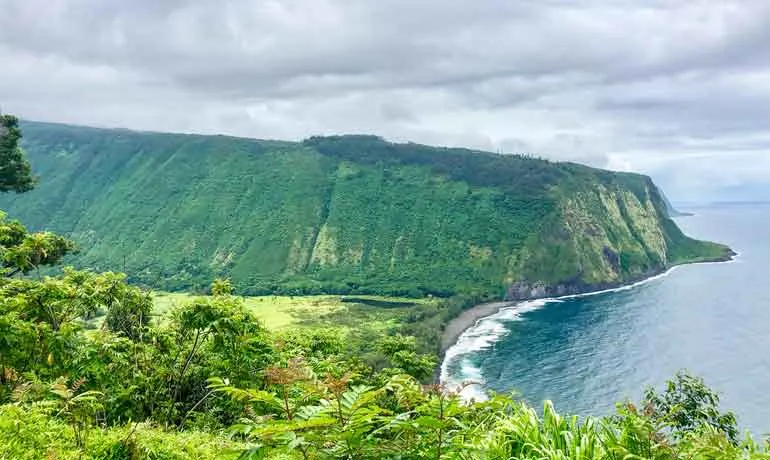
(467, 319)
(456, 327)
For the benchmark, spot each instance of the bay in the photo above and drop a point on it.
(587, 353)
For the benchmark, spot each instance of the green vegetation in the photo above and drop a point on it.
(16, 174)
(341, 215)
(92, 367)
(274, 312)
(278, 312)
(360, 321)
(210, 382)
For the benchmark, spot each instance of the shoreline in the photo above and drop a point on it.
(457, 326)
(467, 319)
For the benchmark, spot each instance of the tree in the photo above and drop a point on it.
(401, 351)
(211, 333)
(20, 250)
(221, 287)
(17, 338)
(53, 301)
(77, 408)
(23, 252)
(688, 405)
(129, 308)
(15, 171)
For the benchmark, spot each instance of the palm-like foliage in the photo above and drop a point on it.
(77, 408)
(23, 252)
(402, 420)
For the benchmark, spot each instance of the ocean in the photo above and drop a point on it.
(587, 353)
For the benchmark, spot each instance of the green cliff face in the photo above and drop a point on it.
(607, 231)
(342, 214)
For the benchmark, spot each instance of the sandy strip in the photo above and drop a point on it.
(467, 319)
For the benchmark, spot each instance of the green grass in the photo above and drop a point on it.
(362, 319)
(34, 434)
(280, 312)
(275, 312)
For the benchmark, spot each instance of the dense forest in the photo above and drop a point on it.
(87, 371)
(342, 214)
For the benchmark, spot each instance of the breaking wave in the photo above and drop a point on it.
(458, 368)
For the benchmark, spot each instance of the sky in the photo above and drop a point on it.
(676, 89)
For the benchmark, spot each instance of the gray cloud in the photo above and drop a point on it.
(659, 86)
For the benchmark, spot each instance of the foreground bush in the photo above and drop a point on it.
(28, 433)
(402, 420)
(304, 417)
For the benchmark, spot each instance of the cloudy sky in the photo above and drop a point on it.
(677, 89)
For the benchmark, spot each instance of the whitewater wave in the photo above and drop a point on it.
(481, 336)
(487, 331)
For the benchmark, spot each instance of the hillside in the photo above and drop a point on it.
(343, 214)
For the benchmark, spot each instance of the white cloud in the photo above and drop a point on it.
(659, 86)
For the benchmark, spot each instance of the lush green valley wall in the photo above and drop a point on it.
(341, 214)
(608, 231)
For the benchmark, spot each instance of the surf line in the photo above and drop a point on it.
(486, 331)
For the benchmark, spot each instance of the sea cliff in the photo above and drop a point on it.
(344, 214)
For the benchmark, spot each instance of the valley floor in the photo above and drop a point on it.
(340, 312)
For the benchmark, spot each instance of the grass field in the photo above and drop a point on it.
(342, 312)
(362, 320)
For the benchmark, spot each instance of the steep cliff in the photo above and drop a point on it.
(343, 214)
(605, 233)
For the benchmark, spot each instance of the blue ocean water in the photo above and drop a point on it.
(587, 353)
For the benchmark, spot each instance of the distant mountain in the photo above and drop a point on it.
(344, 214)
(672, 211)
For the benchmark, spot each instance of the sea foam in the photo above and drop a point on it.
(489, 330)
